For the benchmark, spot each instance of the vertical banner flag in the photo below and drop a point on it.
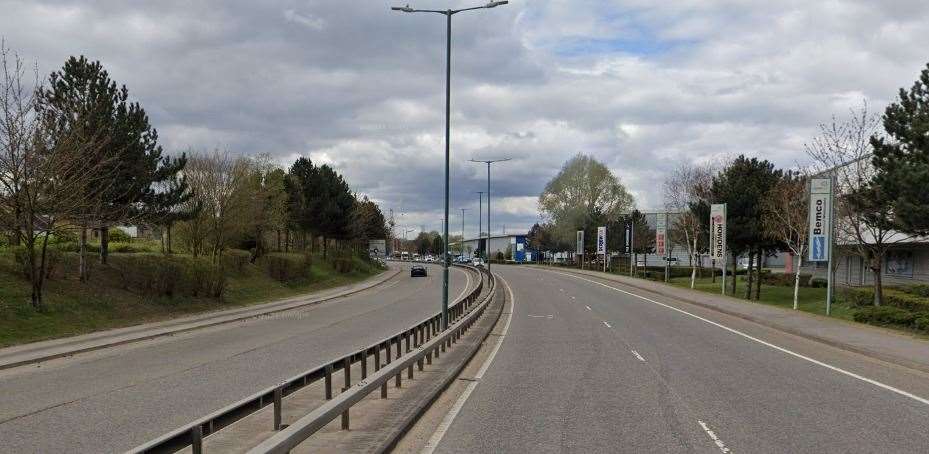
(661, 235)
(580, 241)
(820, 219)
(718, 232)
(627, 246)
(601, 240)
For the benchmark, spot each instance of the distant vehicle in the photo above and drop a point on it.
(415, 256)
(417, 270)
(478, 262)
(404, 255)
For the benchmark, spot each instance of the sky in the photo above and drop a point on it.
(642, 86)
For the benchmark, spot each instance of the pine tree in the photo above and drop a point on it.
(902, 163)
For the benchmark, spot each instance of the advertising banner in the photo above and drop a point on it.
(601, 240)
(820, 219)
(661, 235)
(718, 231)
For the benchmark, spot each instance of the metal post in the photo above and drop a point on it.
(347, 372)
(364, 364)
(480, 220)
(196, 439)
(829, 272)
(399, 354)
(328, 381)
(487, 242)
(278, 395)
(448, 98)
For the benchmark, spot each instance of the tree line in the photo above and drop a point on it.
(77, 154)
(880, 165)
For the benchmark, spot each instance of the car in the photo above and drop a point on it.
(417, 270)
(478, 262)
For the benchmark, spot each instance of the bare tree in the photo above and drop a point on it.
(220, 185)
(44, 173)
(684, 188)
(843, 150)
(786, 219)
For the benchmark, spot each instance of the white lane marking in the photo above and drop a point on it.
(637, 355)
(719, 443)
(449, 418)
(466, 287)
(607, 324)
(768, 344)
(573, 297)
(542, 316)
(588, 307)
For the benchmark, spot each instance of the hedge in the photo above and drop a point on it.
(284, 267)
(864, 296)
(160, 275)
(885, 315)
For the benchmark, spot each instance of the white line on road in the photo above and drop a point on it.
(719, 443)
(768, 344)
(607, 324)
(449, 418)
(637, 355)
(542, 316)
(588, 307)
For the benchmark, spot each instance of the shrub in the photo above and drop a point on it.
(818, 283)
(285, 267)
(118, 236)
(885, 315)
(157, 275)
(52, 259)
(343, 264)
(922, 323)
(235, 260)
(783, 279)
(918, 290)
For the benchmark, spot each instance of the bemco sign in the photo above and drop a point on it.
(718, 231)
(820, 219)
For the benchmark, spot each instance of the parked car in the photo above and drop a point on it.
(478, 262)
(417, 270)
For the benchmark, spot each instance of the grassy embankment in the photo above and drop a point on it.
(144, 286)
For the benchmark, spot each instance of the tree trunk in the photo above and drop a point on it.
(693, 264)
(164, 248)
(278, 240)
(325, 247)
(797, 282)
(104, 244)
(82, 256)
(286, 240)
(748, 275)
(168, 231)
(878, 284)
(735, 267)
(713, 271)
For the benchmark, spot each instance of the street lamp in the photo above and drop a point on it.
(448, 96)
(487, 244)
(480, 221)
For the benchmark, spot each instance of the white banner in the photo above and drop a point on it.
(580, 242)
(601, 240)
(718, 231)
(820, 219)
(661, 235)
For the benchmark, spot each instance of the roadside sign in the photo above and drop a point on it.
(627, 246)
(820, 219)
(661, 234)
(601, 240)
(718, 231)
(580, 242)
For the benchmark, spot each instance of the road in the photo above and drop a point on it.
(590, 366)
(118, 398)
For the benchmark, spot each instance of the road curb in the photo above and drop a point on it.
(896, 360)
(206, 324)
(416, 413)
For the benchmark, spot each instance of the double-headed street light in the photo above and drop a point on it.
(448, 95)
(487, 244)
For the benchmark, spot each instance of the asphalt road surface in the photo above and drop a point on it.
(118, 398)
(588, 368)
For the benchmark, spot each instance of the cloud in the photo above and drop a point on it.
(641, 86)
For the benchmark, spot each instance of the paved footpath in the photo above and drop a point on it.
(880, 343)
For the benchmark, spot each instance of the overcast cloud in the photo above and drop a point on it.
(640, 85)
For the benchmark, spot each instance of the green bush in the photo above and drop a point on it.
(819, 283)
(118, 236)
(922, 323)
(343, 264)
(235, 260)
(783, 279)
(918, 290)
(885, 315)
(864, 296)
(52, 259)
(285, 267)
(158, 275)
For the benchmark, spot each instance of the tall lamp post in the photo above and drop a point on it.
(487, 244)
(448, 13)
(480, 221)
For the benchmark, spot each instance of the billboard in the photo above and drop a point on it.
(661, 235)
(377, 248)
(601, 240)
(820, 219)
(718, 231)
(580, 242)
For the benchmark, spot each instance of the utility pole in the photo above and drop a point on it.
(480, 212)
(487, 246)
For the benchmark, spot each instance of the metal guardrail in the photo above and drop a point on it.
(303, 428)
(419, 336)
